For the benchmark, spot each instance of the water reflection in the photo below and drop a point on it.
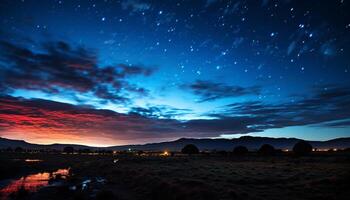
(33, 182)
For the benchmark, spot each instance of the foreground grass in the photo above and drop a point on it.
(323, 176)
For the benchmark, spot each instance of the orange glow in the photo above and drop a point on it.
(48, 126)
(165, 153)
(53, 122)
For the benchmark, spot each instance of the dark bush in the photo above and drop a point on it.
(190, 149)
(240, 150)
(302, 148)
(266, 149)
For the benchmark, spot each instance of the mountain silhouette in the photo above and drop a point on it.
(252, 143)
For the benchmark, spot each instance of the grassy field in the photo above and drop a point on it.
(318, 176)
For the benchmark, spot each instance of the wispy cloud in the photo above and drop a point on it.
(325, 105)
(135, 5)
(209, 91)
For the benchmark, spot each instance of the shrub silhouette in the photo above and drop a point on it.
(68, 150)
(240, 150)
(302, 148)
(190, 149)
(266, 149)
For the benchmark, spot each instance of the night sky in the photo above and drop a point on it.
(114, 72)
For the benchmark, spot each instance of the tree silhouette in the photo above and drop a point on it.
(190, 149)
(266, 149)
(302, 148)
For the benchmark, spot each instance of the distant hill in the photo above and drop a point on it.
(250, 142)
(6, 143)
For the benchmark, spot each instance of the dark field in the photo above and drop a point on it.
(317, 176)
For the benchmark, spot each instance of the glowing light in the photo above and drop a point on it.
(165, 153)
(32, 160)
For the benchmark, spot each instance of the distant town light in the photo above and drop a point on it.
(33, 160)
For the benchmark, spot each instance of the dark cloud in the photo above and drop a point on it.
(325, 105)
(209, 91)
(56, 66)
(160, 111)
(338, 124)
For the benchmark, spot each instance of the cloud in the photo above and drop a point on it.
(37, 118)
(56, 66)
(326, 104)
(135, 5)
(338, 124)
(33, 118)
(209, 91)
(160, 111)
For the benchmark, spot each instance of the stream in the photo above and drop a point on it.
(32, 182)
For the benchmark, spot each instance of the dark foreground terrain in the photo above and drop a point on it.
(317, 176)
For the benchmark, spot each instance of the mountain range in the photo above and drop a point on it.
(252, 143)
